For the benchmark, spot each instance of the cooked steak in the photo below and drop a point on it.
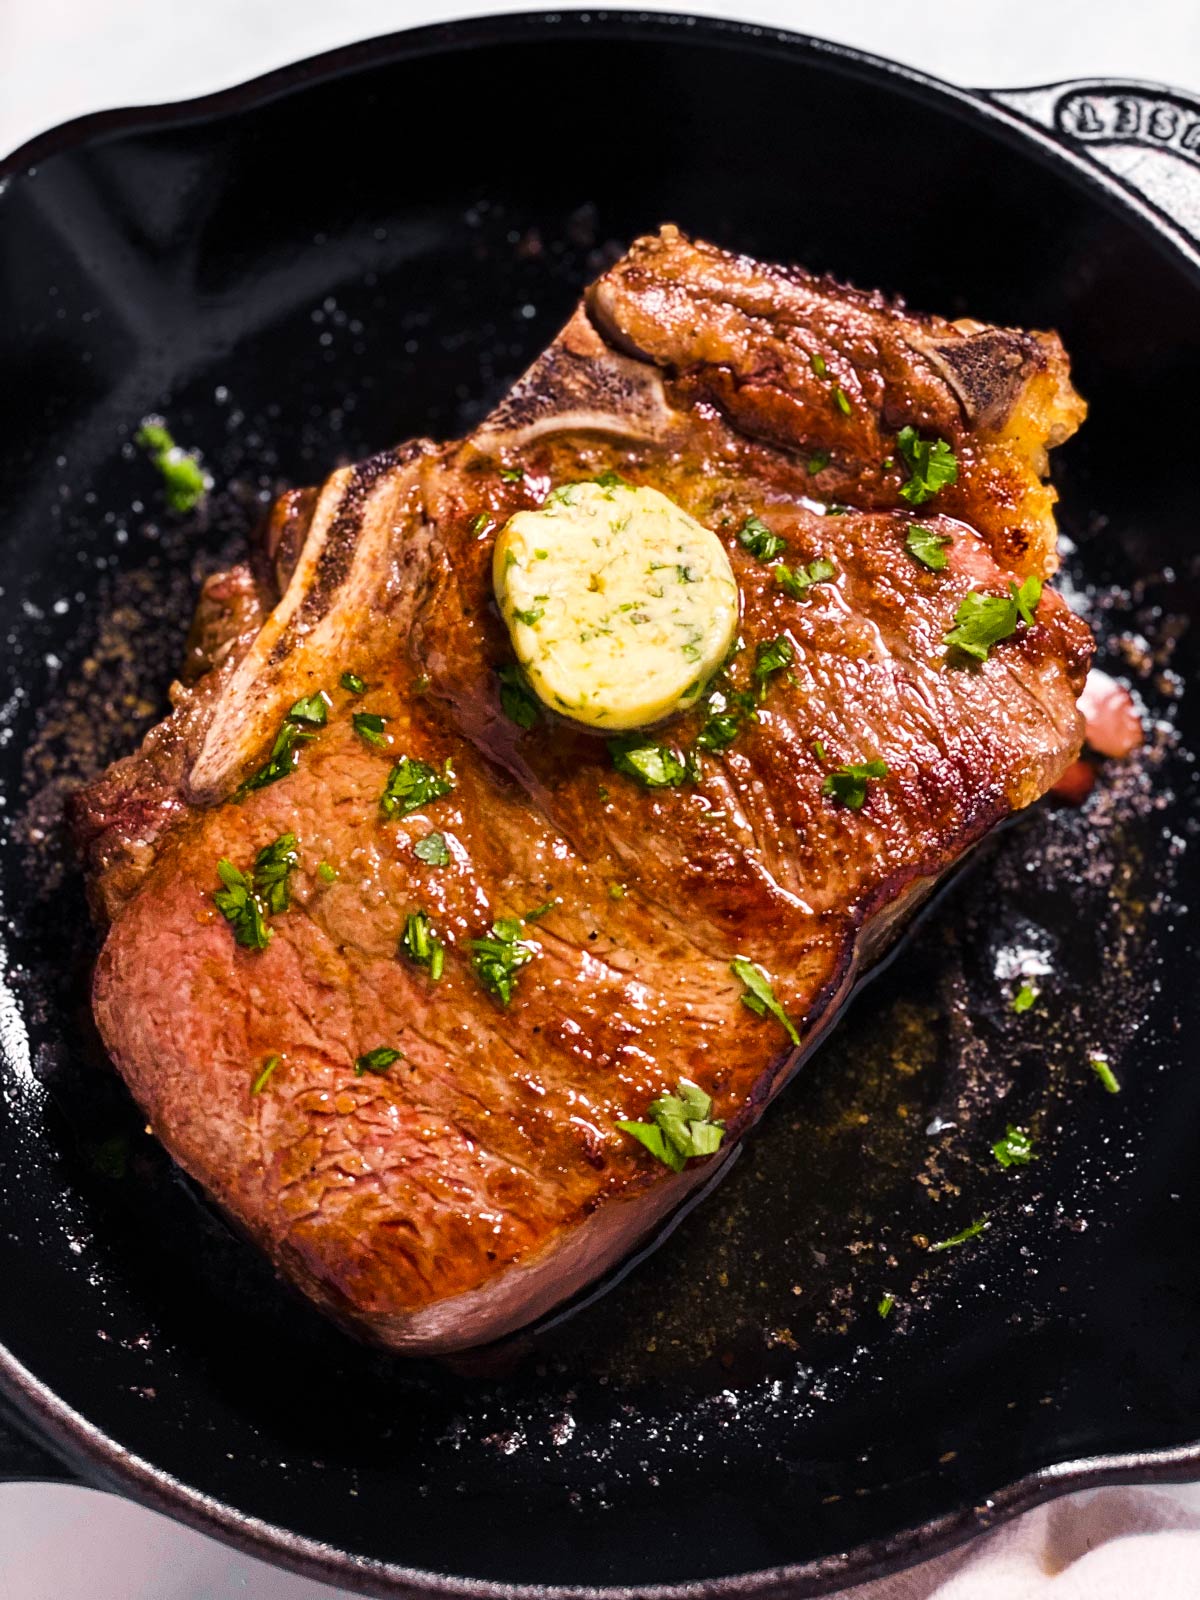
(416, 1116)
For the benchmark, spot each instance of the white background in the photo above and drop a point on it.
(61, 58)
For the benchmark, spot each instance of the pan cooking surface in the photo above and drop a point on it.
(305, 280)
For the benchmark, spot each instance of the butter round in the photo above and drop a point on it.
(620, 605)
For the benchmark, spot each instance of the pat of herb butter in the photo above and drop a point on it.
(620, 605)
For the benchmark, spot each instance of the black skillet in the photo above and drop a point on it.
(372, 245)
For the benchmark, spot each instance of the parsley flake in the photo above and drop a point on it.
(817, 362)
(184, 479)
(529, 617)
(928, 547)
(983, 620)
(842, 401)
(283, 759)
(1099, 1065)
(326, 873)
(762, 544)
(512, 474)
(273, 868)
(771, 656)
(498, 960)
(311, 709)
(931, 466)
(264, 1077)
(1015, 1149)
(352, 683)
(885, 1305)
(797, 581)
(654, 766)
(432, 850)
(241, 907)
(377, 1060)
(412, 784)
(760, 996)
(817, 462)
(517, 700)
(369, 726)
(1024, 998)
(421, 944)
(680, 1126)
(961, 1238)
(848, 784)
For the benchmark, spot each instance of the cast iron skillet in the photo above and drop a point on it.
(372, 245)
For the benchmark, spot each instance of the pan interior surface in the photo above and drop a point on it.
(300, 281)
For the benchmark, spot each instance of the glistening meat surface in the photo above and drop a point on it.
(480, 1179)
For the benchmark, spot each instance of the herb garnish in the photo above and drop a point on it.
(377, 1060)
(268, 1067)
(516, 698)
(369, 726)
(611, 479)
(273, 868)
(498, 960)
(931, 465)
(538, 912)
(654, 766)
(480, 522)
(352, 683)
(797, 581)
(817, 462)
(817, 362)
(432, 850)
(760, 996)
(1015, 1149)
(326, 873)
(412, 784)
(421, 945)
(312, 709)
(1099, 1065)
(885, 1305)
(184, 479)
(245, 899)
(928, 546)
(530, 617)
(961, 1238)
(762, 544)
(1024, 998)
(285, 752)
(512, 474)
(982, 620)
(848, 785)
(771, 656)
(842, 401)
(680, 1126)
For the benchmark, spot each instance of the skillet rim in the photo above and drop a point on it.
(99, 1459)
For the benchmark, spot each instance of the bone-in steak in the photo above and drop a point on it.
(478, 1178)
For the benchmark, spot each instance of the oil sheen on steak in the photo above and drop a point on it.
(481, 1180)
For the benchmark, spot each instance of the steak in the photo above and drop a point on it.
(441, 1197)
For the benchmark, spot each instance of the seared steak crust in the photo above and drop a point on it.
(481, 1180)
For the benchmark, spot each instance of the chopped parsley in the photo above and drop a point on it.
(760, 996)
(1024, 998)
(727, 710)
(283, 759)
(312, 709)
(529, 618)
(610, 479)
(369, 726)
(797, 581)
(421, 945)
(512, 474)
(184, 479)
(617, 891)
(264, 1077)
(480, 522)
(961, 1238)
(654, 766)
(817, 362)
(770, 657)
(538, 912)
(928, 546)
(1015, 1149)
(1099, 1065)
(842, 401)
(246, 899)
(242, 909)
(432, 850)
(931, 466)
(848, 785)
(412, 784)
(352, 683)
(680, 1126)
(517, 700)
(273, 868)
(326, 873)
(817, 462)
(377, 1060)
(498, 960)
(885, 1305)
(983, 620)
(762, 544)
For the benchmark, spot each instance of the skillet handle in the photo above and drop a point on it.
(1144, 135)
